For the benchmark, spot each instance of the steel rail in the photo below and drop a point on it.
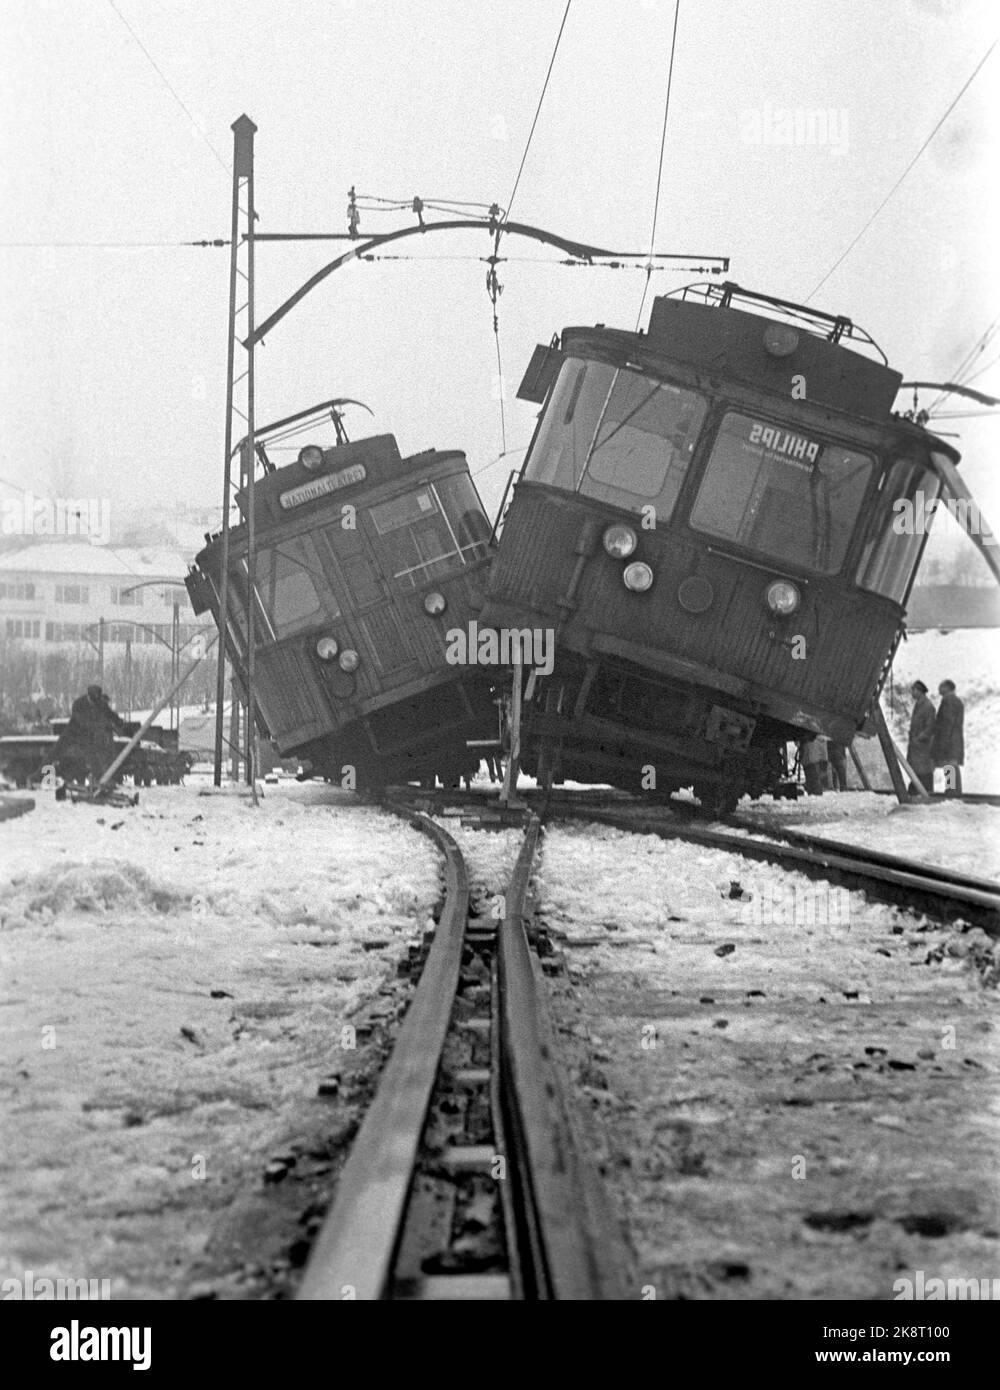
(940, 873)
(565, 1228)
(561, 1239)
(353, 1253)
(913, 885)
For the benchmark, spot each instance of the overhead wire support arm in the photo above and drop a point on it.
(581, 251)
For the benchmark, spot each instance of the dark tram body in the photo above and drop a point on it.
(363, 560)
(708, 521)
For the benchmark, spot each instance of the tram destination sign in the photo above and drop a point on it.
(320, 487)
(779, 441)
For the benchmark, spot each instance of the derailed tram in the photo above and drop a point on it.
(708, 526)
(363, 560)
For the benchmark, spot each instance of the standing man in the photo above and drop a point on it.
(814, 764)
(920, 748)
(838, 765)
(949, 738)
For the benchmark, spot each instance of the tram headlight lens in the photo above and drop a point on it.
(434, 603)
(620, 541)
(327, 648)
(638, 577)
(349, 660)
(311, 457)
(780, 339)
(782, 597)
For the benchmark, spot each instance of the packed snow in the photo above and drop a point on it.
(789, 1092)
(177, 978)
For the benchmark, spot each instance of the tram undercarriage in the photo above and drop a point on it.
(602, 721)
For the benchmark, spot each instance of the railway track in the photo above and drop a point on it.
(934, 889)
(465, 1180)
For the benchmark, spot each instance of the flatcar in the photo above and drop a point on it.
(706, 534)
(363, 560)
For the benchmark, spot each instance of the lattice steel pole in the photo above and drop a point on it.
(241, 254)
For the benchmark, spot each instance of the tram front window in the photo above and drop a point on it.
(617, 436)
(431, 532)
(785, 495)
(286, 577)
(899, 528)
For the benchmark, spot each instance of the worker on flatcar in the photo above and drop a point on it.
(86, 746)
(949, 738)
(920, 748)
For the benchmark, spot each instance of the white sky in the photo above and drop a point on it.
(113, 371)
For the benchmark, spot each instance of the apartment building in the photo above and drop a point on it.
(64, 593)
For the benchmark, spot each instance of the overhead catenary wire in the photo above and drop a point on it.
(659, 169)
(170, 87)
(507, 453)
(538, 108)
(104, 245)
(979, 346)
(951, 106)
(982, 371)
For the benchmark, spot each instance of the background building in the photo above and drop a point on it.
(72, 612)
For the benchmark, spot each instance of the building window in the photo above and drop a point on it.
(17, 590)
(72, 593)
(126, 597)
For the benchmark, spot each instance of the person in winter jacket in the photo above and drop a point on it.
(920, 748)
(949, 738)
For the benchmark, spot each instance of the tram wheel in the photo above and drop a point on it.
(717, 800)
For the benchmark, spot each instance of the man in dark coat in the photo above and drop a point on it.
(837, 753)
(920, 748)
(949, 738)
(86, 746)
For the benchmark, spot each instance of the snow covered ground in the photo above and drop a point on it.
(176, 980)
(785, 1099)
(957, 835)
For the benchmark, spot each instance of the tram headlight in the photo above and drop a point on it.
(780, 339)
(434, 603)
(327, 648)
(638, 577)
(311, 457)
(620, 541)
(349, 660)
(782, 597)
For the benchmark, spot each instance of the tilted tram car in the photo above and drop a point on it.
(708, 523)
(363, 560)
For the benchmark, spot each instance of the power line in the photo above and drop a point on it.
(522, 448)
(510, 200)
(101, 245)
(975, 377)
(978, 346)
(964, 88)
(170, 88)
(659, 171)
